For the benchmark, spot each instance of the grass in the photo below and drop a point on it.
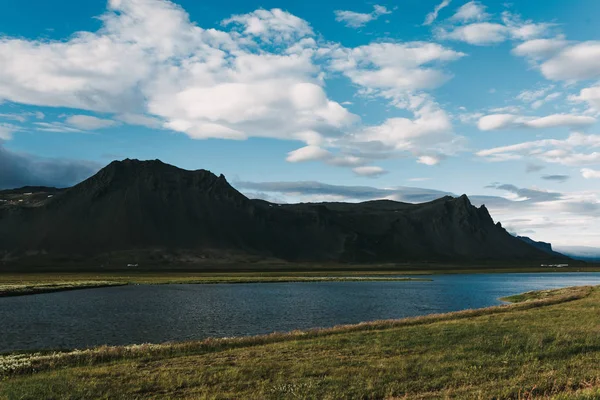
(535, 295)
(536, 349)
(20, 289)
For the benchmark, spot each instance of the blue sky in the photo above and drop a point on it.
(316, 101)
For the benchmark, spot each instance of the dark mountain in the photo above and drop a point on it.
(148, 206)
(544, 246)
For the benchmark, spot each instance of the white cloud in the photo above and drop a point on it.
(150, 65)
(488, 33)
(479, 34)
(540, 48)
(576, 62)
(6, 131)
(471, 11)
(370, 171)
(428, 137)
(512, 121)
(577, 150)
(56, 126)
(432, 16)
(589, 95)
(273, 25)
(429, 160)
(549, 98)
(588, 173)
(528, 96)
(356, 20)
(89, 123)
(308, 153)
(394, 70)
(524, 30)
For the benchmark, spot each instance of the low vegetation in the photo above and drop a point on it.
(13, 285)
(547, 346)
(37, 288)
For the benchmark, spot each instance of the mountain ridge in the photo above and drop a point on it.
(141, 206)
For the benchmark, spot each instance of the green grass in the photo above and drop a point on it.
(545, 348)
(535, 295)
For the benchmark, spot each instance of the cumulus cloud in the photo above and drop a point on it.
(479, 34)
(357, 20)
(576, 62)
(589, 95)
(401, 73)
(512, 121)
(488, 33)
(540, 48)
(273, 25)
(471, 11)
(432, 16)
(150, 65)
(261, 76)
(20, 169)
(308, 153)
(394, 69)
(578, 149)
(588, 173)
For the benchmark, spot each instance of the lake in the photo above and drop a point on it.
(142, 314)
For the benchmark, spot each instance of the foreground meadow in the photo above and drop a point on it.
(546, 346)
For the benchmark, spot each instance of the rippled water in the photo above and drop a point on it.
(140, 314)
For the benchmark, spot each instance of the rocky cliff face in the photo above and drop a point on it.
(148, 205)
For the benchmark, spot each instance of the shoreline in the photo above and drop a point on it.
(30, 289)
(519, 302)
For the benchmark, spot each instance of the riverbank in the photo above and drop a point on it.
(373, 273)
(544, 348)
(37, 287)
(21, 285)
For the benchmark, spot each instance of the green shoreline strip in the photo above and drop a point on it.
(33, 288)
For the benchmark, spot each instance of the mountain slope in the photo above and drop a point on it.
(139, 206)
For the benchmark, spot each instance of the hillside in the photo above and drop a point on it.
(142, 207)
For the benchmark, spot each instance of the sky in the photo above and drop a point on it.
(293, 100)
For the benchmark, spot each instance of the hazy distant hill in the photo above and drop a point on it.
(148, 206)
(545, 247)
(582, 253)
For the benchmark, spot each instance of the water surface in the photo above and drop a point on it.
(141, 314)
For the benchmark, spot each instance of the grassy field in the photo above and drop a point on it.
(546, 346)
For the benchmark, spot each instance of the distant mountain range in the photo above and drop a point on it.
(591, 254)
(149, 210)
